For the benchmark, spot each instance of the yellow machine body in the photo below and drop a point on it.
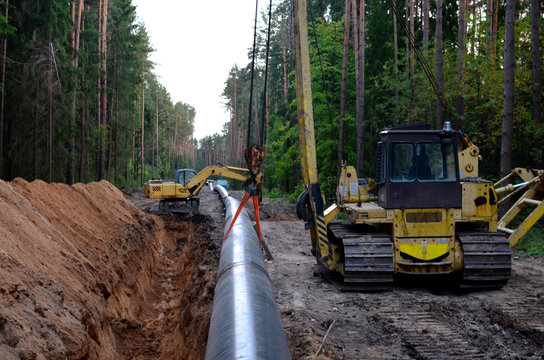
(427, 211)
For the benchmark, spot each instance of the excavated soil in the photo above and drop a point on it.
(84, 274)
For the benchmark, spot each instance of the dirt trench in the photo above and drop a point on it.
(84, 274)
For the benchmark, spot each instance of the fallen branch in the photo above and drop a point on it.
(325, 338)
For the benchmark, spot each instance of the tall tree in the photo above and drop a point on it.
(142, 138)
(425, 16)
(361, 93)
(461, 51)
(439, 62)
(412, 63)
(103, 85)
(3, 94)
(343, 85)
(75, 39)
(396, 59)
(508, 106)
(536, 73)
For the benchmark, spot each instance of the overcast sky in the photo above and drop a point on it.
(196, 43)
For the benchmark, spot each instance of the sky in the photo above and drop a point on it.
(196, 44)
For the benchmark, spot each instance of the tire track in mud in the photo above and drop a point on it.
(527, 312)
(428, 334)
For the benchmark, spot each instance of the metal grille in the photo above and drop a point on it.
(155, 188)
(380, 163)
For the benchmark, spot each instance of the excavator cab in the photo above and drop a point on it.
(414, 165)
(183, 176)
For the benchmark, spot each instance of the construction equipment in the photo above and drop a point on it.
(181, 196)
(427, 211)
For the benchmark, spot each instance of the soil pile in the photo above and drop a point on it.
(84, 274)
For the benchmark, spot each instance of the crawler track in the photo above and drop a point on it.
(368, 258)
(487, 260)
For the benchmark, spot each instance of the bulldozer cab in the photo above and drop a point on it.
(183, 176)
(418, 168)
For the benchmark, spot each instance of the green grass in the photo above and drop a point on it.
(532, 243)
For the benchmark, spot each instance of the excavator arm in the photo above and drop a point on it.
(176, 197)
(197, 182)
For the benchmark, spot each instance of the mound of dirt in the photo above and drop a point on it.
(84, 274)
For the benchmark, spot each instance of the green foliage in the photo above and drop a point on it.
(388, 92)
(532, 243)
(43, 85)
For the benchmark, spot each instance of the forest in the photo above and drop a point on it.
(80, 101)
(78, 74)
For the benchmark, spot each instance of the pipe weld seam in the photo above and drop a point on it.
(242, 264)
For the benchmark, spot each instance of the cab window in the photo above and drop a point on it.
(402, 162)
(435, 162)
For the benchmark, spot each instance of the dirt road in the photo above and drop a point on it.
(413, 321)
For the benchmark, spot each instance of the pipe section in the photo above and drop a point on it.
(245, 321)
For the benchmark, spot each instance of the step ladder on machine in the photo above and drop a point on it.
(533, 184)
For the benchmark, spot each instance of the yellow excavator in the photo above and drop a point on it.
(181, 195)
(427, 212)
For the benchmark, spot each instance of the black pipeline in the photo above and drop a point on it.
(245, 321)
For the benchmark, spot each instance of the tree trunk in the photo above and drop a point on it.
(508, 108)
(361, 95)
(461, 50)
(425, 16)
(3, 96)
(157, 129)
(412, 60)
(116, 132)
(82, 114)
(175, 150)
(396, 60)
(439, 62)
(142, 167)
(495, 26)
(285, 80)
(99, 93)
(343, 86)
(103, 86)
(133, 177)
(235, 117)
(50, 118)
(537, 86)
(489, 16)
(75, 64)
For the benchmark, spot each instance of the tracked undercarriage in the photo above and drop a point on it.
(179, 206)
(487, 261)
(368, 258)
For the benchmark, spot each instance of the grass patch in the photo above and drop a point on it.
(532, 243)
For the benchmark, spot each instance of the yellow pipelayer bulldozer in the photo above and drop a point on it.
(181, 196)
(427, 211)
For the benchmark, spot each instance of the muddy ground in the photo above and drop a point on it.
(87, 274)
(415, 320)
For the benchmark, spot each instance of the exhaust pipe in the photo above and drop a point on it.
(246, 322)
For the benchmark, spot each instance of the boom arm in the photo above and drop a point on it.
(197, 182)
(306, 133)
(169, 190)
